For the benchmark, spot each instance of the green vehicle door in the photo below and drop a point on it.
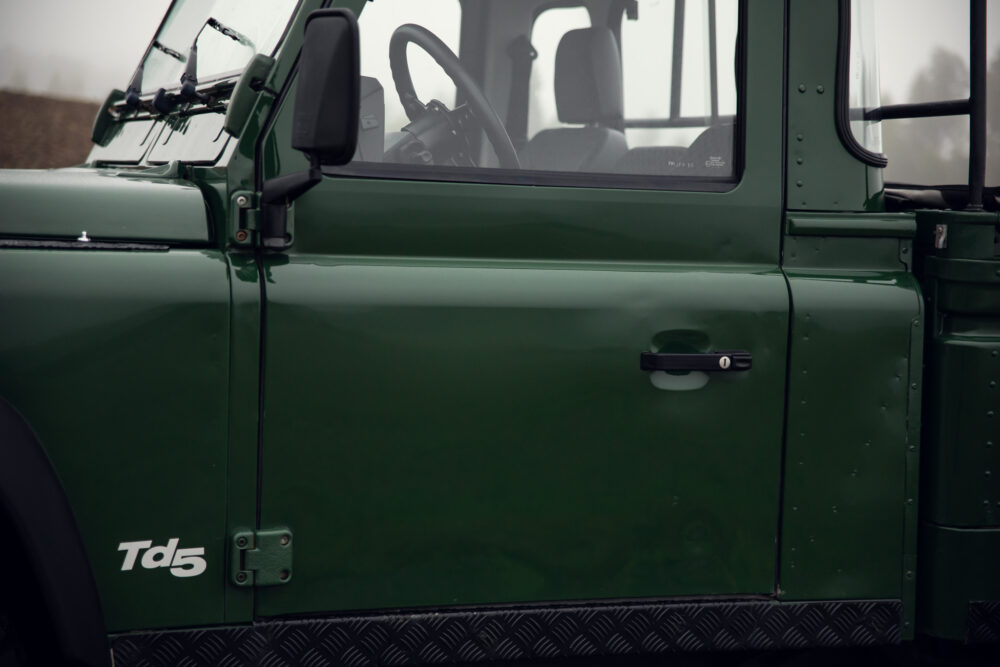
(454, 409)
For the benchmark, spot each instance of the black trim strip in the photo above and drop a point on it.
(447, 174)
(841, 112)
(52, 244)
(516, 634)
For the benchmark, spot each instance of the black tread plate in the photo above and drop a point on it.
(984, 621)
(513, 634)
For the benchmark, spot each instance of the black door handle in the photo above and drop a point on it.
(720, 362)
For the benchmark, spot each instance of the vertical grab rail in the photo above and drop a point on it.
(977, 103)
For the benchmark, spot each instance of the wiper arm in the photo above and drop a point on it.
(189, 79)
(134, 89)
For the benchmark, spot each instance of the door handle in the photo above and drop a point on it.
(719, 362)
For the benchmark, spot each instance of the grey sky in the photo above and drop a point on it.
(83, 49)
(72, 48)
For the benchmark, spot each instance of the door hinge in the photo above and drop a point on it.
(262, 558)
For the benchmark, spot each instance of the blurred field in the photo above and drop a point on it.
(42, 132)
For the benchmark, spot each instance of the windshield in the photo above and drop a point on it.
(260, 23)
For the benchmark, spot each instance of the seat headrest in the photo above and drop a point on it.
(589, 78)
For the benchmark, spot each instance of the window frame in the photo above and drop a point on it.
(588, 180)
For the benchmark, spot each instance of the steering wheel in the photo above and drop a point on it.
(478, 104)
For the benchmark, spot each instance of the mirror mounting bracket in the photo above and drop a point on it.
(277, 195)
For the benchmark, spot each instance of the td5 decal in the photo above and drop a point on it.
(182, 562)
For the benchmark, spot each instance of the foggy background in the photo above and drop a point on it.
(79, 51)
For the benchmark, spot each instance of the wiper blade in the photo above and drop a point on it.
(228, 32)
(176, 55)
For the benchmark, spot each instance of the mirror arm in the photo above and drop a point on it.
(277, 196)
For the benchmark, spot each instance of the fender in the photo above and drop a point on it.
(32, 497)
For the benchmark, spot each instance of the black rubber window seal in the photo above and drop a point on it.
(842, 111)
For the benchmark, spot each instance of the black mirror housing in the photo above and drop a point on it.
(328, 99)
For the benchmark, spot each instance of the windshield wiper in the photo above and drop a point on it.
(189, 79)
(134, 90)
(160, 46)
(228, 32)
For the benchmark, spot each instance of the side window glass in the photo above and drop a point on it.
(382, 114)
(679, 67)
(564, 95)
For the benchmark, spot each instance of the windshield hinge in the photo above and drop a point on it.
(262, 558)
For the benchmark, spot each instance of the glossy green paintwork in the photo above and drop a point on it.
(853, 391)
(244, 387)
(960, 501)
(457, 432)
(119, 362)
(821, 175)
(108, 204)
(902, 225)
(454, 412)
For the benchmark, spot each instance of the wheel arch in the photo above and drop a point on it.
(37, 511)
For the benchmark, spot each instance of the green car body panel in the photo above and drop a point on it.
(435, 386)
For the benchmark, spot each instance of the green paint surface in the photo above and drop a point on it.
(123, 377)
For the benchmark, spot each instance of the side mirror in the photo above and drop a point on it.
(328, 100)
(325, 118)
